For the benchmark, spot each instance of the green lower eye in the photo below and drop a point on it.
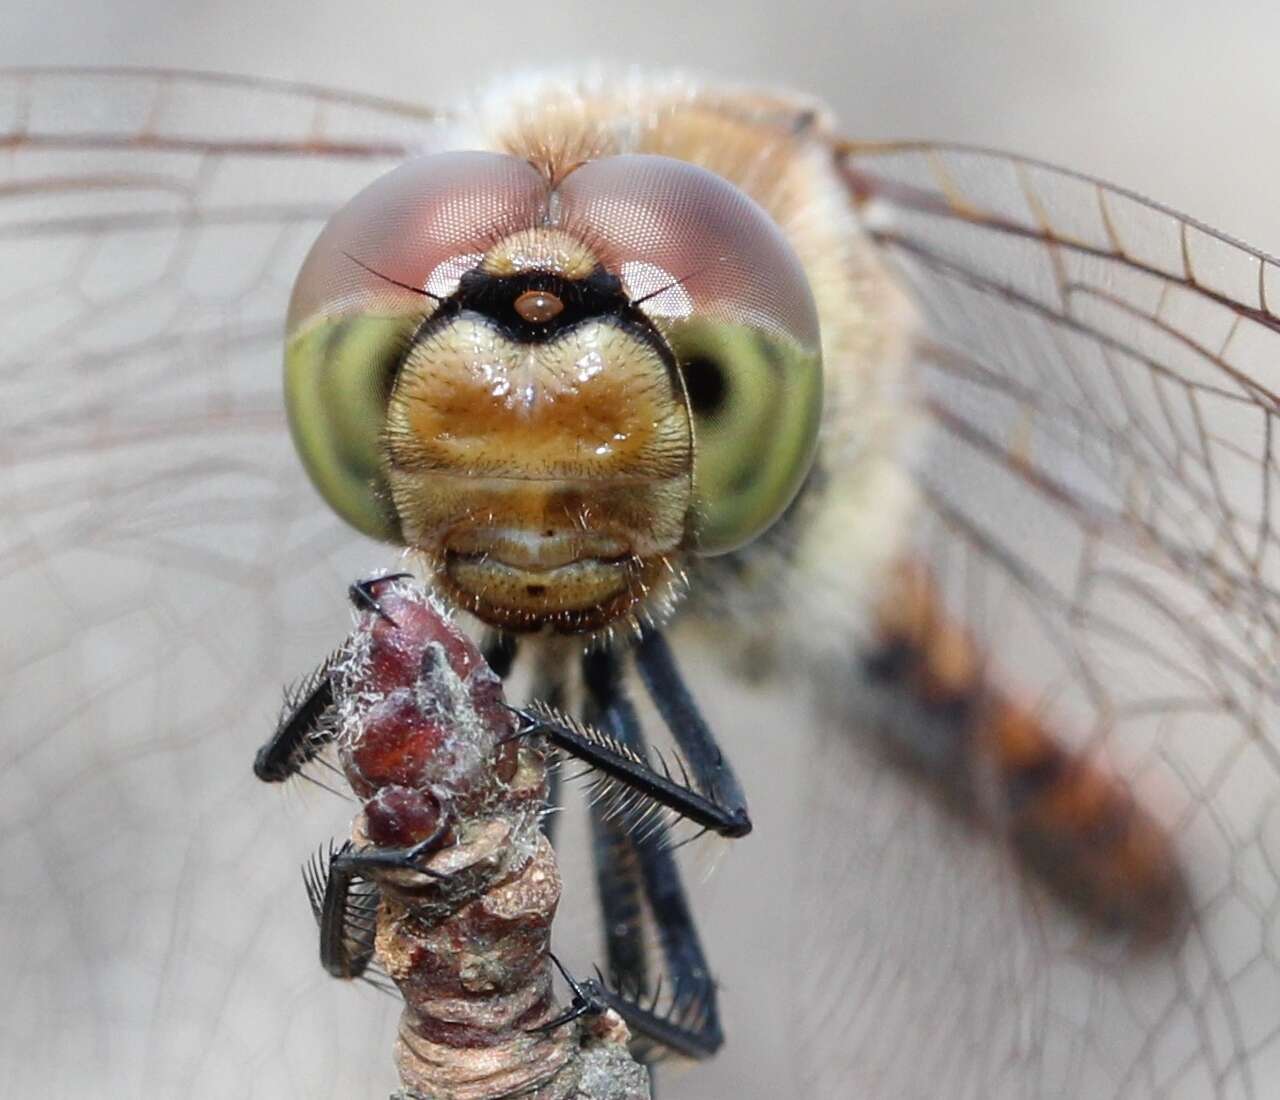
(338, 375)
(756, 399)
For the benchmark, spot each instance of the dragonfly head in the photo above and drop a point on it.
(555, 390)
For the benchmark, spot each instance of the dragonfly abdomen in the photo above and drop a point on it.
(1069, 820)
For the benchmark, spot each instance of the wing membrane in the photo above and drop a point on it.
(162, 560)
(1099, 378)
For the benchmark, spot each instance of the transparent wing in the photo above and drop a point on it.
(1100, 376)
(163, 561)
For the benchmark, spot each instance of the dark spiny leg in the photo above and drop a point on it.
(333, 913)
(500, 654)
(588, 1000)
(621, 902)
(364, 595)
(393, 859)
(345, 917)
(621, 766)
(667, 689)
(619, 883)
(303, 729)
(692, 1026)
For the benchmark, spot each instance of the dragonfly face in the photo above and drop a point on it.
(543, 377)
(1094, 507)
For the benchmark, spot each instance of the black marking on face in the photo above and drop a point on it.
(600, 295)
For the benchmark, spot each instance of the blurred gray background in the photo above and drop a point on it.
(1172, 99)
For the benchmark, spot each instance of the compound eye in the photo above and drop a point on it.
(755, 400)
(376, 272)
(718, 278)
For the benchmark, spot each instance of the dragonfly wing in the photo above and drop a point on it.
(166, 570)
(1099, 497)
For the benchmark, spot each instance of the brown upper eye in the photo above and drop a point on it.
(538, 306)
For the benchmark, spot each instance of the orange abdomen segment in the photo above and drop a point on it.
(1072, 822)
(1079, 827)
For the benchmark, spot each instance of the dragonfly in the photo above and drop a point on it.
(1090, 456)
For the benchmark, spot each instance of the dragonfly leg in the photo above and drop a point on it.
(680, 712)
(588, 999)
(346, 944)
(345, 950)
(689, 1024)
(500, 654)
(303, 730)
(649, 789)
(393, 859)
(363, 594)
(621, 890)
